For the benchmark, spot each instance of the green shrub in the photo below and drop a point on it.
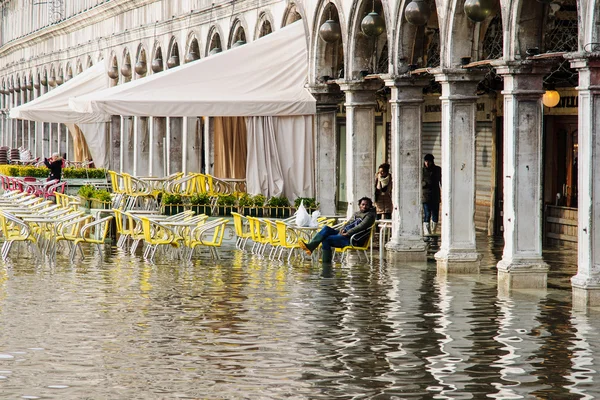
(37, 172)
(226, 200)
(83, 173)
(169, 198)
(245, 200)
(200, 199)
(259, 200)
(309, 202)
(278, 201)
(102, 195)
(86, 191)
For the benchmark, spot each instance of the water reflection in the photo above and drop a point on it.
(113, 327)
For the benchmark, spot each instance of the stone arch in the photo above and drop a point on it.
(367, 55)
(78, 66)
(523, 21)
(126, 66)
(141, 61)
(89, 62)
(237, 32)
(413, 42)
(192, 47)
(44, 77)
(214, 40)
(589, 32)
(457, 33)
(293, 13)
(52, 76)
(37, 78)
(264, 25)
(173, 60)
(327, 59)
(30, 80)
(17, 83)
(68, 72)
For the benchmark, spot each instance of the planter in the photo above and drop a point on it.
(201, 209)
(99, 204)
(172, 209)
(224, 211)
(278, 212)
(252, 211)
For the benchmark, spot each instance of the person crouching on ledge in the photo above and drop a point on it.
(330, 238)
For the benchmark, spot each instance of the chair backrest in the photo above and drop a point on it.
(103, 223)
(238, 224)
(362, 239)
(282, 234)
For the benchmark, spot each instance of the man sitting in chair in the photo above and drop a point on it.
(362, 221)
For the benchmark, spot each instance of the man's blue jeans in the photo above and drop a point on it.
(328, 238)
(431, 211)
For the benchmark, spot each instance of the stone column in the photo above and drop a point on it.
(360, 140)
(406, 242)
(158, 145)
(194, 154)
(458, 251)
(208, 144)
(522, 265)
(115, 140)
(586, 284)
(326, 151)
(174, 155)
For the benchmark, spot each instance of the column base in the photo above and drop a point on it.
(585, 292)
(532, 274)
(458, 261)
(406, 249)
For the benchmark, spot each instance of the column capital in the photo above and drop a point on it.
(406, 89)
(584, 60)
(458, 84)
(361, 93)
(327, 96)
(370, 85)
(529, 68)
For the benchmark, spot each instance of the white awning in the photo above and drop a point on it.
(54, 105)
(266, 77)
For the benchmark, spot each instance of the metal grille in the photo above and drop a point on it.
(492, 48)
(433, 50)
(561, 35)
(493, 42)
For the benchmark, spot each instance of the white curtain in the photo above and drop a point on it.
(280, 156)
(95, 136)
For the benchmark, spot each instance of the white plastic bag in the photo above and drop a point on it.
(302, 217)
(313, 220)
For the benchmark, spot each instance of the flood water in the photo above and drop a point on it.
(115, 327)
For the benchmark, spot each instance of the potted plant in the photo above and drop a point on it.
(246, 205)
(279, 207)
(86, 193)
(200, 203)
(225, 204)
(310, 203)
(172, 203)
(101, 199)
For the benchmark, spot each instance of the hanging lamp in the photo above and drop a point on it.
(214, 50)
(330, 31)
(372, 24)
(417, 12)
(141, 68)
(191, 56)
(238, 44)
(479, 10)
(551, 98)
(173, 61)
(157, 65)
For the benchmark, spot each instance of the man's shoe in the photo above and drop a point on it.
(304, 247)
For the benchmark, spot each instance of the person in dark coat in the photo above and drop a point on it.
(430, 194)
(54, 164)
(383, 192)
(330, 238)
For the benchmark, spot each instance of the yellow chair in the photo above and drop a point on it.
(257, 234)
(124, 230)
(156, 234)
(242, 230)
(15, 230)
(214, 232)
(68, 230)
(365, 237)
(89, 234)
(288, 239)
(271, 236)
